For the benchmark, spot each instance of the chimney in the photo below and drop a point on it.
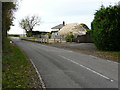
(63, 23)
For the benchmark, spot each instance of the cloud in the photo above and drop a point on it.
(53, 12)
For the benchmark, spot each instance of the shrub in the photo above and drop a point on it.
(49, 35)
(68, 38)
(88, 31)
(29, 34)
(106, 28)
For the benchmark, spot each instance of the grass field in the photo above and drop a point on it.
(17, 71)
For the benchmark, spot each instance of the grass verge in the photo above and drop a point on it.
(17, 71)
(109, 55)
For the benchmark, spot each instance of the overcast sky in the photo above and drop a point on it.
(54, 12)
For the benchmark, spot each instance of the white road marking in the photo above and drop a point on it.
(93, 57)
(112, 62)
(87, 68)
(43, 85)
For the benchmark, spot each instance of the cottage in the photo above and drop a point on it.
(74, 29)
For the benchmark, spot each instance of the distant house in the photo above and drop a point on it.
(58, 27)
(74, 29)
(55, 29)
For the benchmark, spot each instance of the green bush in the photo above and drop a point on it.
(49, 35)
(88, 31)
(29, 34)
(14, 35)
(69, 38)
(106, 28)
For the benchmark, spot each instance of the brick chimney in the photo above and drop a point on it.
(63, 23)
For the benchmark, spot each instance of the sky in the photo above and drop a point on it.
(54, 12)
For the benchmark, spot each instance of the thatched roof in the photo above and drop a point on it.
(73, 28)
(67, 29)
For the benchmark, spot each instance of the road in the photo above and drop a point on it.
(61, 68)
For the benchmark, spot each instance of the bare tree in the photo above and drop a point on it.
(28, 23)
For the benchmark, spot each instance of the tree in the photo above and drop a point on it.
(28, 23)
(8, 9)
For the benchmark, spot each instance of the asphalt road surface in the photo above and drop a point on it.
(61, 68)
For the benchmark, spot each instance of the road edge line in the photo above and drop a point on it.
(30, 60)
(40, 78)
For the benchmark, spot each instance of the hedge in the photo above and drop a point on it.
(106, 28)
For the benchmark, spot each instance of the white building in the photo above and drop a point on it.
(55, 29)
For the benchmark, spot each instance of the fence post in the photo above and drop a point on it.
(54, 40)
(47, 40)
(44, 40)
(41, 41)
(60, 40)
(71, 40)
